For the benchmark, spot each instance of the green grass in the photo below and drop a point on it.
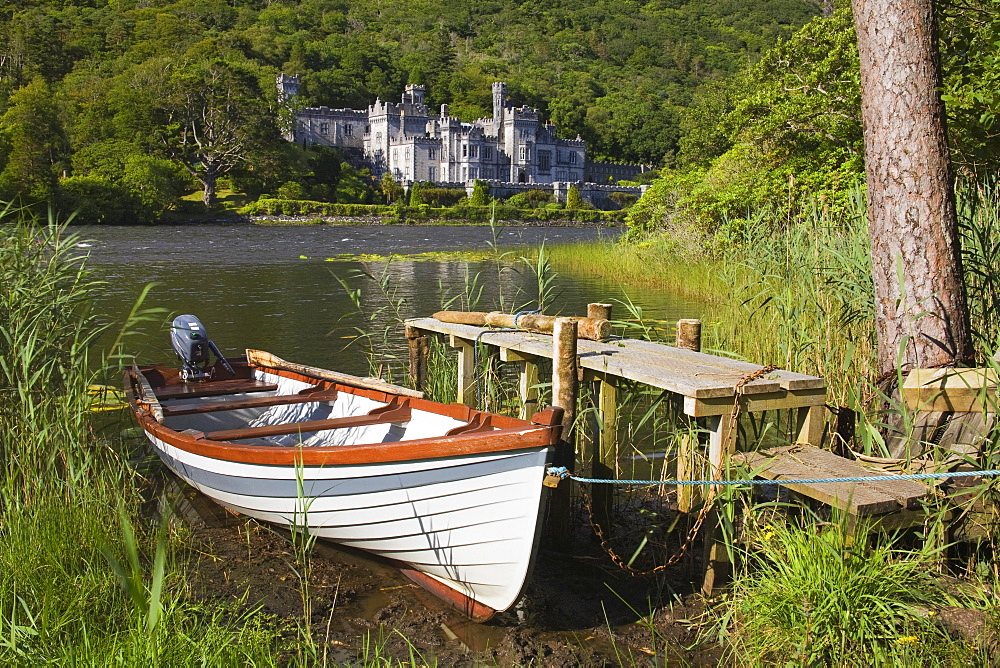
(226, 198)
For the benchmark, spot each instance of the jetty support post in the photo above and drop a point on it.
(688, 338)
(466, 370)
(564, 392)
(419, 351)
(604, 432)
(528, 380)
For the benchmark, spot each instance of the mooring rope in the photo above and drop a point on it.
(561, 472)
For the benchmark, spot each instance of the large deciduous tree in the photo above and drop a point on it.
(922, 317)
(217, 117)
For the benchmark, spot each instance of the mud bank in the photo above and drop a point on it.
(578, 609)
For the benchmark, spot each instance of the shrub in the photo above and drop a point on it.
(291, 190)
(573, 198)
(623, 200)
(442, 196)
(480, 193)
(416, 194)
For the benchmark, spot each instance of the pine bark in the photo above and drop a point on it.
(920, 305)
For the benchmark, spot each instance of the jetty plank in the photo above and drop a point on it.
(700, 377)
(856, 498)
(951, 390)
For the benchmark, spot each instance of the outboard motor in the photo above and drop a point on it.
(192, 345)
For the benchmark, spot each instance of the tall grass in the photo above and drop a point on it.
(822, 596)
(83, 577)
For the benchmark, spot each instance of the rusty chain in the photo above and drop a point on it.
(709, 502)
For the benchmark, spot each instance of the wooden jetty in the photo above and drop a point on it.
(709, 388)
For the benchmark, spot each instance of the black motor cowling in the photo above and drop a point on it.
(192, 345)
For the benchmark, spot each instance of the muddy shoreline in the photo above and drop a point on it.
(578, 609)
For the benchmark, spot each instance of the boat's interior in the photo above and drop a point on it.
(274, 410)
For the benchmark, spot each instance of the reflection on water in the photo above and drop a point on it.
(272, 288)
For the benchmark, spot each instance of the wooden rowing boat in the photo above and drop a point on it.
(450, 494)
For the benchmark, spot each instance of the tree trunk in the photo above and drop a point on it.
(920, 304)
(207, 179)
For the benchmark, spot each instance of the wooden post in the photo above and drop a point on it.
(527, 380)
(528, 388)
(721, 444)
(564, 392)
(564, 372)
(687, 469)
(599, 311)
(466, 370)
(419, 350)
(810, 422)
(689, 334)
(604, 458)
(688, 338)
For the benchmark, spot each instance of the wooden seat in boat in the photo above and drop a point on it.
(390, 413)
(252, 402)
(212, 388)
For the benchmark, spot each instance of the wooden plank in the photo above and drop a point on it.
(684, 372)
(772, 401)
(212, 389)
(253, 402)
(966, 433)
(689, 377)
(789, 380)
(398, 414)
(907, 442)
(856, 498)
(266, 359)
(951, 390)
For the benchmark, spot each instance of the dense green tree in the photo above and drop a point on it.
(355, 186)
(34, 146)
(971, 61)
(391, 190)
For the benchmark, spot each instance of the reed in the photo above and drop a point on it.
(84, 579)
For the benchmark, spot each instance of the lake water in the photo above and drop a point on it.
(276, 288)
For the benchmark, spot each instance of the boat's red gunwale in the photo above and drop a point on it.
(513, 434)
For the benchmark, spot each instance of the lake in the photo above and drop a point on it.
(279, 288)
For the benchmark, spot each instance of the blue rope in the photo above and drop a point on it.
(561, 472)
(517, 316)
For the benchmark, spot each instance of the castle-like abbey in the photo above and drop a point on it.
(413, 144)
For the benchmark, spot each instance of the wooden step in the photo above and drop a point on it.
(856, 498)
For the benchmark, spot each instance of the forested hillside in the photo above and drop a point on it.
(119, 108)
(784, 136)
